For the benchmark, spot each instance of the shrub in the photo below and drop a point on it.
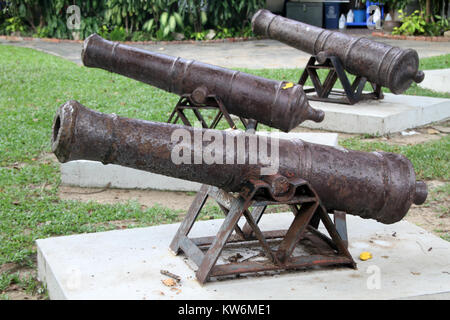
(152, 19)
(415, 24)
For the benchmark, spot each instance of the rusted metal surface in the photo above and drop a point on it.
(376, 185)
(340, 222)
(276, 247)
(244, 95)
(351, 92)
(295, 263)
(388, 66)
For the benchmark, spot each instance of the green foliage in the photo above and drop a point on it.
(13, 25)
(438, 26)
(416, 24)
(194, 12)
(223, 32)
(411, 25)
(118, 34)
(130, 19)
(397, 4)
(141, 36)
(233, 13)
(49, 18)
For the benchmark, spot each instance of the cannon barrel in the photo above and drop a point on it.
(375, 185)
(267, 101)
(388, 66)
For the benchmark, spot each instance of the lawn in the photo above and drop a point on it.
(33, 85)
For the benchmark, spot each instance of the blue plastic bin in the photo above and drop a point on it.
(331, 14)
(359, 15)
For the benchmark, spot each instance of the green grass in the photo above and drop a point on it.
(431, 160)
(33, 85)
(438, 62)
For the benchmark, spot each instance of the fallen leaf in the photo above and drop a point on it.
(365, 256)
(415, 273)
(287, 86)
(442, 129)
(169, 282)
(432, 131)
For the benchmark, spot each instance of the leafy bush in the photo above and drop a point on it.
(14, 25)
(415, 24)
(411, 25)
(233, 13)
(130, 19)
(438, 26)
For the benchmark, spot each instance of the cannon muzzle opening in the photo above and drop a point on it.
(62, 130)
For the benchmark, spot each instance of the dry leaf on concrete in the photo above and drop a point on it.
(432, 131)
(169, 282)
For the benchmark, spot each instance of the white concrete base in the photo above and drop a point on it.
(392, 114)
(92, 174)
(436, 80)
(407, 262)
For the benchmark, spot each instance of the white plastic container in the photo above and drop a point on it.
(342, 22)
(350, 16)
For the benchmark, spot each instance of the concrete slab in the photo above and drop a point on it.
(436, 80)
(92, 174)
(408, 263)
(392, 114)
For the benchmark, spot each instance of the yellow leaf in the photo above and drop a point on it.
(365, 256)
(288, 85)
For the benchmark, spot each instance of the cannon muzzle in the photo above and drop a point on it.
(267, 101)
(375, 185)
(388, 66)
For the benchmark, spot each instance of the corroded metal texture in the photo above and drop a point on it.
(267, 101)
(391, 67)
(375, 185)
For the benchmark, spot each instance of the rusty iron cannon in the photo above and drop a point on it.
(267, 101)
(382, 64)
(376, 185)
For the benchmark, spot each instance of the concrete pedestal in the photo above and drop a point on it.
(436, 80)
(408, 262)
(394, 113)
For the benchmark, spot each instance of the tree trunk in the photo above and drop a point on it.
(428, 11)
